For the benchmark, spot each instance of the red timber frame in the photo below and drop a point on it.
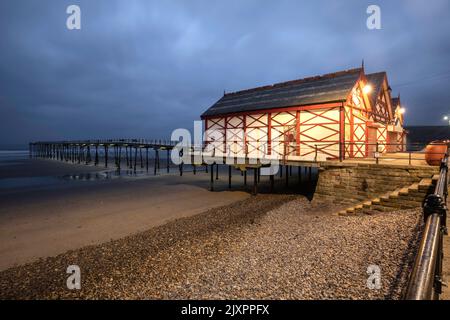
(273, 128)
(278, 131)
(400, 142)
(346, 134)
(357, 112)
(329, 144)
(256, 123)
(232, 134)
(382, 138)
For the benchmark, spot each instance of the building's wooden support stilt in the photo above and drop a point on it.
(255, 181)
(211, 182)
(272, 182)
(287, 176)
(299, 175)
(245, 177)
(217, 171)
(229, 177)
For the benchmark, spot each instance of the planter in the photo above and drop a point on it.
(435, 152)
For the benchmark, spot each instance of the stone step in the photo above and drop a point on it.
(405, 198)
(403, 191)
(367, 204)
(394, 195)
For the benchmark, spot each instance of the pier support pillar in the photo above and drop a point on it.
(287, 176)
(211, 182)
(255, 181)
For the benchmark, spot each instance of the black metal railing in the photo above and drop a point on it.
(425, 282)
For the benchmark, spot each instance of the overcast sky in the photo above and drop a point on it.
(143, 68)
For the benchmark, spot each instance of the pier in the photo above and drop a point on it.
(129, 153)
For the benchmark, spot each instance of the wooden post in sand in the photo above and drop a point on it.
(106, 156)
(135, 158)
(211, 183)
(156, 162)
(168, 161)
(287, 176)
(120, 158)
(229, 177)
(96, 154)
(299, 175)
(146, 158)
(255, 181)
(217, 171)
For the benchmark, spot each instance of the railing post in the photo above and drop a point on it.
(315, 150)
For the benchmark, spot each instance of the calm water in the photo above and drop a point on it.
(10, 159)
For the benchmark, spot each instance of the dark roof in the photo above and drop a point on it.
(426, 134)
(376, 80)
(395, 102)
(331, 87)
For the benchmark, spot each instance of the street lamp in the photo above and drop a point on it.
(446, 118)
(367, 89)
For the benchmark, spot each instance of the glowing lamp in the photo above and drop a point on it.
(402, 110)
(367, 89)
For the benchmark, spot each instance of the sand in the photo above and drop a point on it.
(265, 247)
(46, 220)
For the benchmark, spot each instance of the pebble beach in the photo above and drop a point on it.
(263, 247)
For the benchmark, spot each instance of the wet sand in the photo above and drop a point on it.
(51, 217)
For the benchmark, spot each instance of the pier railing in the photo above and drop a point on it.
(425, 282)
(282, 151)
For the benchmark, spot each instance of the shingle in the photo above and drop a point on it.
(332, 87)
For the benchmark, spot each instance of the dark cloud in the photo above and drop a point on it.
(143, 68)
